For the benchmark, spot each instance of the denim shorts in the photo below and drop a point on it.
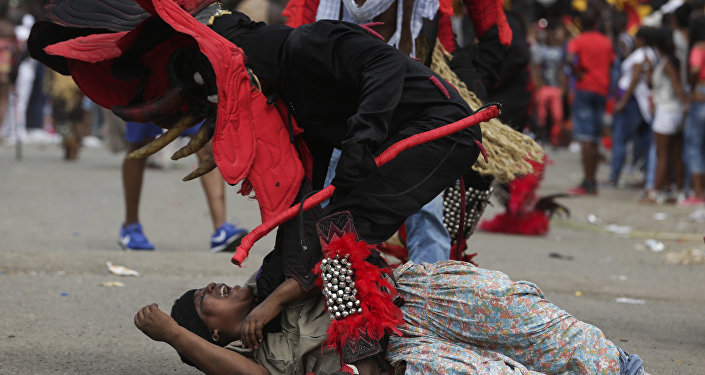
(695, 138)
(588, 109)
(136, 132)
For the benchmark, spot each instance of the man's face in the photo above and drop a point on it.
(223, 307)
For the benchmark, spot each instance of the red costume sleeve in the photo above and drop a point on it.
(487, 13)
(300, 12)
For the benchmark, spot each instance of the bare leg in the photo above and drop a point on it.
(590, 159)
(214, 188)
(662, 152)
(676, 150)
(81, 128)
(132, 174)
(699, 185)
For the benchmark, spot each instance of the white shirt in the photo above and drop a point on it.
(641, 91)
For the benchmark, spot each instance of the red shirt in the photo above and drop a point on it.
(697, 59)
(594, 55)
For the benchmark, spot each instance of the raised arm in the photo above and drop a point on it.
(211, 359)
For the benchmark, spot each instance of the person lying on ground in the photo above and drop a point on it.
(458, 319)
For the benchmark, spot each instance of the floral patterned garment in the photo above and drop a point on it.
(461, 319)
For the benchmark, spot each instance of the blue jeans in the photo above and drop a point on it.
(626, 124)
(651, 167)
(695, 138)
(136, 132)
(588, 109)
(427, 239)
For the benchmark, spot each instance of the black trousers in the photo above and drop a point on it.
(379, 204)
(386, 198)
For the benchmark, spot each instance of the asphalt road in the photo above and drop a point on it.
(59, 225)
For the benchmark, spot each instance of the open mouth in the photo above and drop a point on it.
(223, 291)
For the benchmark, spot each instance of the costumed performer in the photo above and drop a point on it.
(330, 84)
(422, 29)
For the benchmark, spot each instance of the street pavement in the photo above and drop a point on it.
(59, 226)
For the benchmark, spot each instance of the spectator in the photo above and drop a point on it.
(67, 113)
(24, 69)
(632, 109)
(225, 237)
(590, 55)
(512, 86)
(668, 99)
(679, 23)
(547, 68)
(8, 43)
(695, 126)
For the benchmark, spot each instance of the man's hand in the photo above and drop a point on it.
(251, 334)
(155, 323)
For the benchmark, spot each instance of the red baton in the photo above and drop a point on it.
(390, 153)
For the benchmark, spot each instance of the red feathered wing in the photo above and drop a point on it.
(265, 157)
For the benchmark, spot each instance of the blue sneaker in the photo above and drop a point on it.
(227, 237)
(132, 238)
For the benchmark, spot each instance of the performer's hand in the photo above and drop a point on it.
(154, 323)
(251, 334)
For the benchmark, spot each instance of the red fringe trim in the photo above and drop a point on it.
(379, 314)
(521, 217)
(522, 189)
(445, 31)
(300, 12)
(245, 188)
(533, 223)
(436, 82)
(482, 150)
(369, 30)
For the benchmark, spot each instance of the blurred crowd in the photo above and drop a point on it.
(639, 100)
(622, 81)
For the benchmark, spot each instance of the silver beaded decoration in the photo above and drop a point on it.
(339, 287)
(475, 203)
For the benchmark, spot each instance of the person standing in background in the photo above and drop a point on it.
(8, 44)
(14, 125)
(590, 56)
(695, 125)
(632, 108)
(668, 99)
(549, 83)
(225, 237)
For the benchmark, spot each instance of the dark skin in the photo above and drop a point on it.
(637, 71)
(669, 146)
(221, 308)
(230, 314)
(389, 24)
(389, 18)
(133, 173)
(590, 153)
(286, 293)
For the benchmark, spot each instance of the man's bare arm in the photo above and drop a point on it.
(209, 358)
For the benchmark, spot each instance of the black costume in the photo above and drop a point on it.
(348, 90)
(345, 89)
